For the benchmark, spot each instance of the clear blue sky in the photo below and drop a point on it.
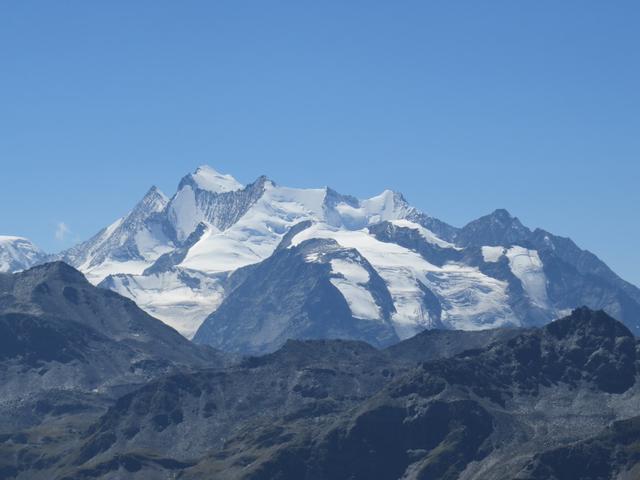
(462, 106)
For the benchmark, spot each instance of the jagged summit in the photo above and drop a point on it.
(497, 228)
(155, 192)
(501, 214)
(209, 179)
(154, 201)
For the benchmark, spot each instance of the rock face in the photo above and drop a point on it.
(547, 402)
(609, 455)
(481, 413)
(61, 336)
(310, 303)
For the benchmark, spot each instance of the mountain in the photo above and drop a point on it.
(64, 341)
(400, 278)
(173, 256)
(328, 291)
(381, 269)
(128, 244)
(17, 253)
(482, 413)
(548, 402)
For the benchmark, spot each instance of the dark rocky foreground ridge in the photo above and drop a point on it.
(92, 387)
(69, 349)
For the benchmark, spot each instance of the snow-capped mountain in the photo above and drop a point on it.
(392, 279)
(263, 262)
(128, 245)
(17, 253)
(211, 227)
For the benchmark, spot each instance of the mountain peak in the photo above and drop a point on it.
(154, 199)
(262, 180)
(57, 270)
(155, 191)
(496, 228)
(588, 323)
(502, 214)
(207, 178)
(18, 253)
(11, 239)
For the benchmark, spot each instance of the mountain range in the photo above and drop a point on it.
(243, 268)
(94, 388)
(251, 332)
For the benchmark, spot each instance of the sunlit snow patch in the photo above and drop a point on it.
(351, 282)
(527, 266)
(492, 254)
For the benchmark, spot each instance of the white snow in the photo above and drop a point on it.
(166, 296)
(350, 270)
(256, 235)
(17, 253)
(151, 245)
(492, 254)
(377, 209)
(95, 257)
(470, 299)
(350, 280)
(183, 212)
(382, 207)
(6, 239)
(98, 243)
(527, 266)
(209, 179)
(111, 267)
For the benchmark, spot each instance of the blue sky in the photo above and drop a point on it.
(464, 107)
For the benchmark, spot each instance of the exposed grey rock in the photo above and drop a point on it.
(287, 296)
(59, 333)
(523, 404)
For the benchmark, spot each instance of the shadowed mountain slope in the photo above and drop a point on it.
(334, 409)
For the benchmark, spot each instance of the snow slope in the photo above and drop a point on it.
(18, 253)
(179, 298)
(527, 266)
(470, 299)
(129, 245)
(351, 279)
